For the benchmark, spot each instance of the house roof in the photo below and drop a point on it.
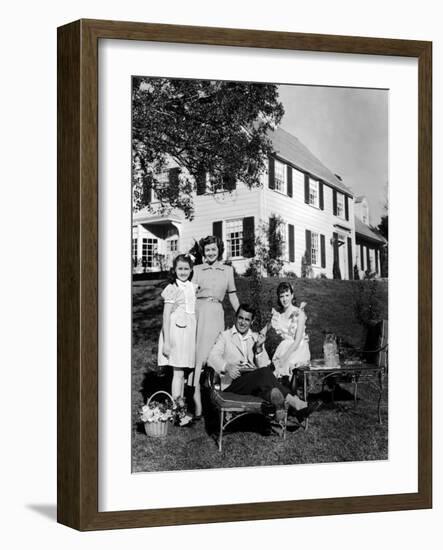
(360, 198)
(289, 148)
(363, 230)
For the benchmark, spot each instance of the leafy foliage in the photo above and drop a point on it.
(203, 127)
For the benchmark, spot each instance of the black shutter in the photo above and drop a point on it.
(289, 180)
(334, 202)
(362, 259)
(350, 259)
(376, 260)
(368, 259)
(173, 176)
(201, 182)
(248, 237)
(271, 173)
(323, 250)
(308, 247)
(291, 238)
(346, 207)
(306, 189)
(217, 229)
(147, 193)
(321, 194)
(229, 182)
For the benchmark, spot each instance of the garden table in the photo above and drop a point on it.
(353, 372)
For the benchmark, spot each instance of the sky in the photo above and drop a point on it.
(347, 130)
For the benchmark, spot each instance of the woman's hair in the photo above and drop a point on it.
(285, 287)
(211, 239)
(186, 258)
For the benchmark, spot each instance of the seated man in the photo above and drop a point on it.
(240, 358)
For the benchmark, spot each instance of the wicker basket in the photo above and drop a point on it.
(158, 429)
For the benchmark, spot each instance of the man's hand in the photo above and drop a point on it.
(260, 341)
(233, 370)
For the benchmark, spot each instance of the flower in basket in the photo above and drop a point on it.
(180, 412)
(156, 412)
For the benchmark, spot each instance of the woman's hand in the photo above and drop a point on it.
(166, 350)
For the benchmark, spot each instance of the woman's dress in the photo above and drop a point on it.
(286, 327)
(213, 282)
(182, 328)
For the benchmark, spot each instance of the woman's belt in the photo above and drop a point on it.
(209, 299)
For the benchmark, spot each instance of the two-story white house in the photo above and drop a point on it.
(317, 210)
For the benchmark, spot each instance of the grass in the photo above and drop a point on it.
(337, 432)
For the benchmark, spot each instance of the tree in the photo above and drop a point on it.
(206, 128)
(383, 228)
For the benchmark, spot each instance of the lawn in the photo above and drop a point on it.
(337, 432)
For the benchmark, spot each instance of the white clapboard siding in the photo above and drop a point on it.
(241, 203)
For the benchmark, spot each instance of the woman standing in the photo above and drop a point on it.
(289, 323)
(213, 280)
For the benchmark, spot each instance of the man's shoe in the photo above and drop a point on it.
(277, 398)
(304, 413)
(295, 402)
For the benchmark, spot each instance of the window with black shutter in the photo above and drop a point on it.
(362, 258)
(347, 208)
(291, 239)
(229, 182)
(173, 176)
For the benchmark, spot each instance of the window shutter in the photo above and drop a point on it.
(334, 202)
(323, 250)
(217, 229)
(362, 258)
(321, 195)
(201, 182)
(291, 238)
(376, 261)
(289, 180)
(229, 182)
(308, 247)
(306, 189)
(271, 173)
(350, 259)
(248, 237)
(346, 207)
(173, 176)
(368, 259)
(147, 193)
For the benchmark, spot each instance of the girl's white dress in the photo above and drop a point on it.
(287, 329)
(182, 325)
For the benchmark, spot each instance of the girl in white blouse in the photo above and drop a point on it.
(177, 338)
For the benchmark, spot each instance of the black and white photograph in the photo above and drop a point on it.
(259, 274)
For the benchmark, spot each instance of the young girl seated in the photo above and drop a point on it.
(177, 338)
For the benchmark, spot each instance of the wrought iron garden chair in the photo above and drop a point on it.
(231, 407)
